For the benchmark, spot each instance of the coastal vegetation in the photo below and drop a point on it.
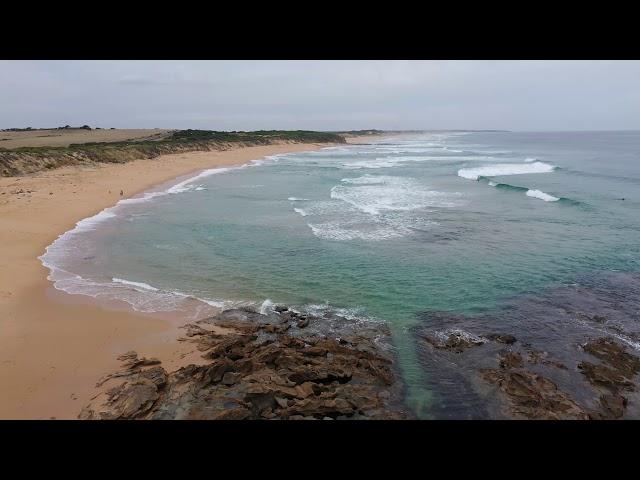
(30, 159)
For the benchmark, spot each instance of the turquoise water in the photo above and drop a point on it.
(450, 222)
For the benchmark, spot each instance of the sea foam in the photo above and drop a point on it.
(141, 285)
(541, 195)
(374, 194)
(505, 169)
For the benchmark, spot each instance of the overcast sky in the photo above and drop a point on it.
(322, 95)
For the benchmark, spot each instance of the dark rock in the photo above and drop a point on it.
(157, 375)
(455, 340)
(315, 351)
(604, 376)
(130, 400)
(533, 396)
(511, 360)
(615, 355)
(502, 338)
(261, 371)
(538, 357)
(130, 360)
(216, 371)
(237, 413)
(231, 378)
(613, 405)
(614, 374)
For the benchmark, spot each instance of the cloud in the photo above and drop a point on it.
(325, 95)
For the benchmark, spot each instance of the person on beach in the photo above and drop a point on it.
(121, 192)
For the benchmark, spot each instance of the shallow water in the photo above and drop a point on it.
(463, 223)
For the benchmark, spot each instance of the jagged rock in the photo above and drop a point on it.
(216, 371)
(261, 371)
(528, 394)
(310, 407)
(591, 318)
(305, 390)
(315, 351)
(277, 328)
(193, 330)
(615, 355)
(616, 373)
(511, 360)
(502, 338)
(303, 322)
(133, 366)
(533, 396)
(455, 340)
(130, 400)
(538, 357)
(613, 405)
(157, 375)
(604, 376)
(237, 413)
(130, 360)
(231, 378)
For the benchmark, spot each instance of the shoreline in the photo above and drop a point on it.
(51, 354)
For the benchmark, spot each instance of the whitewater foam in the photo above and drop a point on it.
(505, 169)
(346, 231)
(541, 195)
(374, 194)
(144, 286)
(395, 161)
(141, 297)
(185, 185)
(267, 307)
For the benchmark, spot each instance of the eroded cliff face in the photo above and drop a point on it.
(282, 365)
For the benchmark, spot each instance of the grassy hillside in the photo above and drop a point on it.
(24, 160)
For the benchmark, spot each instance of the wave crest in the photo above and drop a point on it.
(504, 169)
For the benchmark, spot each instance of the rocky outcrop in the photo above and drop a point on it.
(531, 395)
(283, 365)
(613, 376)
(496, 375)
(454, 340)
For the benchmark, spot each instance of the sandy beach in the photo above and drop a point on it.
(54, 346)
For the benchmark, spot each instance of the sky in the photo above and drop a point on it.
(322, 95)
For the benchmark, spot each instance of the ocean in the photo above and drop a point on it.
(476, 231)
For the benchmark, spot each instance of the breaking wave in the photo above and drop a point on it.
(541, 195)
(504, 169)
(375, 194)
